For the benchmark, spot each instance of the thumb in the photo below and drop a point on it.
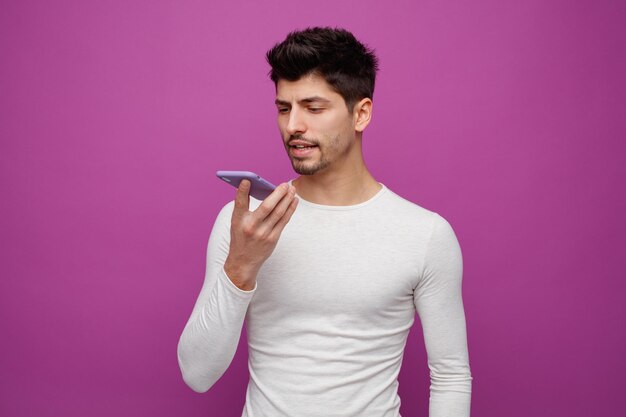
(242, 200)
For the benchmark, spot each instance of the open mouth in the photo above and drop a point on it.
(301, 150)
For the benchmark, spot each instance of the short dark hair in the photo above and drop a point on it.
(333, 53)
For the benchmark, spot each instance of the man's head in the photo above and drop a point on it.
(324, 82)
(347, 65)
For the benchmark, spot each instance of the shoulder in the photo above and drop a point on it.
(430, 223)
(405, 209)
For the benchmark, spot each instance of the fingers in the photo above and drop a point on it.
(270, 202)
(242, 200)
(282, 222)
(279, 210)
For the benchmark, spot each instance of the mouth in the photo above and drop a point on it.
(302, 150)
(300, 147)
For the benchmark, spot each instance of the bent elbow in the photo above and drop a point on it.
(195, 384)
(197, 381)
(191, 378)
(201, 364)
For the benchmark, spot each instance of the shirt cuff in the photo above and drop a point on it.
(235, 289)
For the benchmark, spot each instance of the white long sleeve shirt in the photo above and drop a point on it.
(328, 319)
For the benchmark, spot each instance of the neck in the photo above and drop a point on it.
(344, 184)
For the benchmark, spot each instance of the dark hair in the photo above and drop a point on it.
(335, 54)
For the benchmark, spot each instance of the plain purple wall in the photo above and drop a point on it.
(506, 117)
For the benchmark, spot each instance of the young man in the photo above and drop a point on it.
(330, 269)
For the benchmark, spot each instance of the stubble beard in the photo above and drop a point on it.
(307, 167)
(304, 167)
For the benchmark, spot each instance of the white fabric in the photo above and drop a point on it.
(329, 316)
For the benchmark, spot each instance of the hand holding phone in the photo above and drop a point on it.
(254, 234)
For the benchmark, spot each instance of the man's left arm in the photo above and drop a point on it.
(439, 304)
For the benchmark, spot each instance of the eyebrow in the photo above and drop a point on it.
(312, 99)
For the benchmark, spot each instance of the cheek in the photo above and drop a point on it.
(331, 126)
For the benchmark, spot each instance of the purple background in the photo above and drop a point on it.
(506, 117)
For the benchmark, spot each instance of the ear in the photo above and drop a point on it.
(362, 113)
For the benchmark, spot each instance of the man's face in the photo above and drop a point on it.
(314, 122)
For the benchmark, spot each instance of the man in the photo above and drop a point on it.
(330, 269)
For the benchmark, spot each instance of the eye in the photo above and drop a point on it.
(283, 110)
(315, 109)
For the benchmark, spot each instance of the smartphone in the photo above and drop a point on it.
(260, 188)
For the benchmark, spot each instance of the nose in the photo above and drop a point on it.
(295, 124)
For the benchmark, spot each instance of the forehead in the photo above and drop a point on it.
(308, 86)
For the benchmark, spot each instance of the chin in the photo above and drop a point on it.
(306, 169)
(305, 173)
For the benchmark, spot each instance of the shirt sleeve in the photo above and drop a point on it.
(439, 304)
(209, 340)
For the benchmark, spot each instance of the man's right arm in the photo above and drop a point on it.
(235, 254)
(211, 335)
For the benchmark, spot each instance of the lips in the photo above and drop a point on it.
(298, 142)
(302, 152)
(301, 149)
